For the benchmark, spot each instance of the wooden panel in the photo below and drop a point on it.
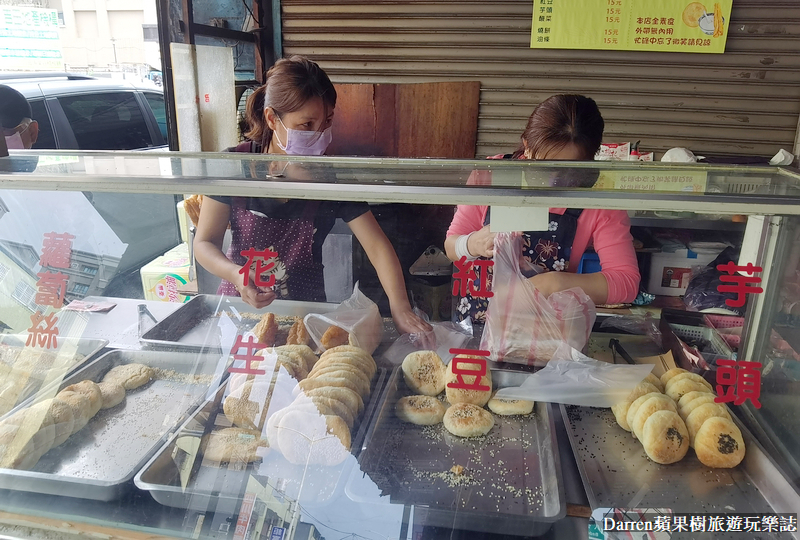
(354, 129)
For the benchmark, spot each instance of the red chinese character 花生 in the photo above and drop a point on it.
(472, 359)
(56, 250)
(43, 331)
(738, 381)
(51, 289)
(741, 287)
(250, 356)
(259, 258)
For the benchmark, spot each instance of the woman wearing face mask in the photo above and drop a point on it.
(563, 127)
(292, 114)
(19, 130)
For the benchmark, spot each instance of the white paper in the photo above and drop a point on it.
(518, 218)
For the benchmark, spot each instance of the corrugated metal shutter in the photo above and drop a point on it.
(746, 101)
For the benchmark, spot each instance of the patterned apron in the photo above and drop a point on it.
(297, 275)
(549, 249)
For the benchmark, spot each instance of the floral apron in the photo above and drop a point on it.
(296, 274)
(549, 249)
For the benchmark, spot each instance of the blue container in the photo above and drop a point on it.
(590, 263)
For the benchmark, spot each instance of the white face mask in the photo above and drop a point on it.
(14, 142)
(304, 143)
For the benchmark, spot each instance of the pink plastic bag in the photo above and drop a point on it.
(524, 327)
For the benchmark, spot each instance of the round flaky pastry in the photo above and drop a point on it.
(653, 403)
(688, 376)
(328, 407)
(303, 350)
(424, 372)
(233, 445)
(700, 415)
(509, 407)
(130, 376)
(633, 408)
(677, 390)
(655, 381)
(112, 394)
(620, 409)
(345, 395)
(467, 420)
(719, 443)
(687, 409)
(464, 388)
(689, 396)
(692, 13)
(421, 410)
(664, 437)
(671, 373)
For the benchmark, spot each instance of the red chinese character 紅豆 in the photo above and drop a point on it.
(43, 331)
(738, 381)
(56, 250)
(465, 276)
(250, 356)
(51, 289)
(741, 287)
(472, 359)
(259, 258)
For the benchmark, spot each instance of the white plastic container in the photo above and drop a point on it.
(670, 272)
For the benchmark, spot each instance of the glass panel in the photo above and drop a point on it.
(156, 102)
(46, 139)
(108, 121)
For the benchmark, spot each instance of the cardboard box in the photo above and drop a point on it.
(670, 272)
(162, 277)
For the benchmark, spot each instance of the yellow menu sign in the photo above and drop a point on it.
(691, 181)
(631, 25)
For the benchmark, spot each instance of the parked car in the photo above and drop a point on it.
(77, 112)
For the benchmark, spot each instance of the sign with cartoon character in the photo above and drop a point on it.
(631, 25)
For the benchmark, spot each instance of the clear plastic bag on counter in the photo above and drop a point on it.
(358, 316)
(443, 337)
(640, 325)
(522, 325)
(702, 294)
(575, 379)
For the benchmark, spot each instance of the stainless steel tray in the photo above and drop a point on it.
(512, 479)
(206, 484)
(99, 461)
(198, 324)
(70, 355)
(617, 473)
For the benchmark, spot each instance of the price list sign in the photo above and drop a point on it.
(631, 25)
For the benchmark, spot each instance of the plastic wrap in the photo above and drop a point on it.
(358, 315)
(443, 337)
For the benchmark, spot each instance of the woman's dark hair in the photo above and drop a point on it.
(291, 82)
(561, 120)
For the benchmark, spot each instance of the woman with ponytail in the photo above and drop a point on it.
(292, 113)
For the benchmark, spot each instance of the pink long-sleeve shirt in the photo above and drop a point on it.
(608, 231)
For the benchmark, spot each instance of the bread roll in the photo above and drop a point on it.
(689, 396)
(420, 410)
(63, 420)
(650, 405)
(298, 335)
(620, 409)
(91, 391)
(699, 416)
(687, 409)
(689, 376)
(111, 394)
(719, 444)
(266, 329)
(683, 386)
(334, 337)
(664, 437)
(633, 408)
(655, 381)
(345, 395)
(467, 420)
(16, 450)
(424, 372)
(468, 395)
(80, 406)
(307, 438)
(26, 436)
(130, 376)
(671, 373)
(509, 407)
(233, 445)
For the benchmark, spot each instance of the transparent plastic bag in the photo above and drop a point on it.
(522, 325)
(640, 325)
(358, 315)
(443, 337)
(575, 379)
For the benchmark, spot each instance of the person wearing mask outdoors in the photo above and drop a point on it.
(19, 130)
(563, 127)
(292, 113)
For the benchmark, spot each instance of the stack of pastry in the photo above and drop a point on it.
(653, 419)
(28, 434)
(310, 424)
(427, 376)
(715, 438)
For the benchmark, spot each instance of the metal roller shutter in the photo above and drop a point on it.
(743, 102)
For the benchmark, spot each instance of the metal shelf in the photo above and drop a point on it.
(684, 223)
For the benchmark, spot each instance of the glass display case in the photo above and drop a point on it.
(213, 420)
